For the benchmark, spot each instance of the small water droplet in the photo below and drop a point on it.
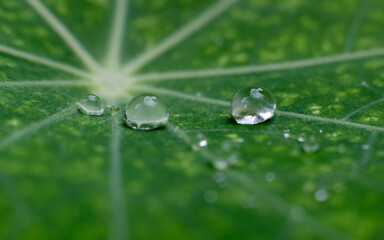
(199, 142)
(334, 134)
(302, 137)
(211, 196)
(146, 112)
(321, 195)
(365, 146)
(253, 105)
(364, 84)
(91, 105)
(321, 131)
(270, 176)
(226, 155)
(115, 110)
(286, 134)
(311, 145)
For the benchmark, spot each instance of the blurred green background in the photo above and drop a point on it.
(66, 175)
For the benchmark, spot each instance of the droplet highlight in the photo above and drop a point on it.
(146, 112)
(199, 141)
(91, 105)
(253, 105)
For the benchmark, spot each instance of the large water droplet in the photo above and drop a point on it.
(146, 112)
(91, 105)
(253, 105)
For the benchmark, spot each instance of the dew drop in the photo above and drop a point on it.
(146, 112)
(302, 137)
(270, 176)
(226, 155)
(311, 145)
(286, 134)
(321, 195)
(365, 146)
(199, 142)
(253, 105)
(115, 110)
(91, 105)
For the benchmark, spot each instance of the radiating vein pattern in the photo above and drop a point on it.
(271, 67)
(67, 36)
(117, 34)
(118, 213)
(44, 61)
(34, 127)
(47, 83)
(175, 38)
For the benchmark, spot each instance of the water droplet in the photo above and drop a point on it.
(146, 112)
(286, 134)
(253, 105)
(211, 196)
(302, 137)
(364, 84)
(199, 142)
(251, 201)
(226, 155)
(321, 195)
(270, 176)
(334, 134)
(311, 145)
(365, 146)
(115, 110)
(321, 131)
(91, 105)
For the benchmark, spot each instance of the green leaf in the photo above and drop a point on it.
(66, 175)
